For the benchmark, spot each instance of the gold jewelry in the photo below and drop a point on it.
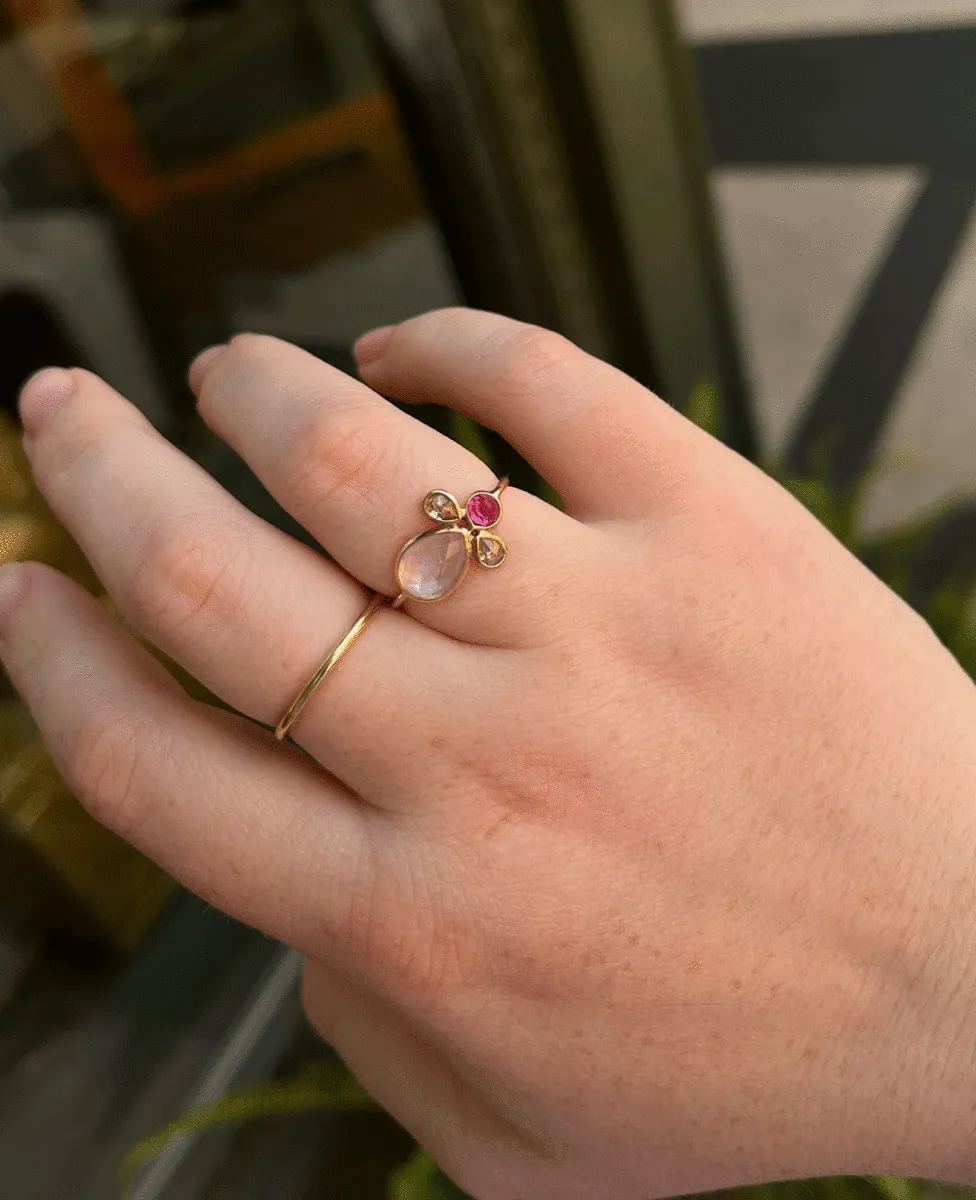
(432, 565)
(429, 567)
(336, 657)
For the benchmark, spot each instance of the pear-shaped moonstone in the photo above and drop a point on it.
(431, 566)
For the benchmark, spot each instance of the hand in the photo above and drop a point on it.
(643, 865)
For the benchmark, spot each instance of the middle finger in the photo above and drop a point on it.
(353, 470)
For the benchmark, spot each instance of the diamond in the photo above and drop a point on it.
(432, 565)
(483, 510)
(491, 550)
(441, 506)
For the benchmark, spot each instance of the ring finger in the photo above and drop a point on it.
(246, 609)
(353, 469)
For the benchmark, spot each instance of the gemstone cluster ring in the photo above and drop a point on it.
(429, 567)
(432, 565)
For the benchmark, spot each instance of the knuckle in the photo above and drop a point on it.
(191, 571)
(243, 355)
(103, 770)
(530, 355)
(249, 345)
(341, 456)
(248, 354)
(413, 336)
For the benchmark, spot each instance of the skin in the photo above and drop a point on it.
(641, 866)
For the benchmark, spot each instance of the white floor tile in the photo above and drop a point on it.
(724, 20)
(801, 245)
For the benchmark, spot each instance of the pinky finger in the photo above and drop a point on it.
(249, 826)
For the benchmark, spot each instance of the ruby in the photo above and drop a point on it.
(483, 510)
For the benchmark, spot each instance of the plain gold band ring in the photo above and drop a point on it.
(338, 654)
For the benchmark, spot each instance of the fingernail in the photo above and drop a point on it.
(42, 395)
(202, 364)
(371, 346)
(13, 585)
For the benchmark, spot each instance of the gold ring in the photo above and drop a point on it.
(430, 567)
(338, 654)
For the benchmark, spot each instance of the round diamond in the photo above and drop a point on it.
(483, 510)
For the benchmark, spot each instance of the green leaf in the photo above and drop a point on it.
(421, 1179)
(320, 1085)
(469, 434)
(838, 511)
(892, 1188)
(705, 407)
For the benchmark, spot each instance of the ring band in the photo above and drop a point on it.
(330, 664)
(430, 567)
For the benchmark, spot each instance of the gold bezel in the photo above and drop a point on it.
(453, 528)
(464, 511)
(458, 507)
(495, 537)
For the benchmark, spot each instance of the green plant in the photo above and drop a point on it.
(320, 1085)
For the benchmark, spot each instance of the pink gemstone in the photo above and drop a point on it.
(483, 510)
(432, 565)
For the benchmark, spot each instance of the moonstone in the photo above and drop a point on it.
(430, 567)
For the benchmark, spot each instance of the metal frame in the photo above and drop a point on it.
(562, 142)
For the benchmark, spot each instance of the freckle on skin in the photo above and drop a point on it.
(692, 600)
(695, 967)
(869, 902)
(634, 939)
(659, 847)
(736, 983)
(505, 820)
(438, 743)
(732, 906)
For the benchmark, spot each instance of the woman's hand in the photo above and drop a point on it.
(643, 865)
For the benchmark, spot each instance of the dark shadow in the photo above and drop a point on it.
(33, 338)
(860, 100)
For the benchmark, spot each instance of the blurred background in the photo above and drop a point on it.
(763, 209)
